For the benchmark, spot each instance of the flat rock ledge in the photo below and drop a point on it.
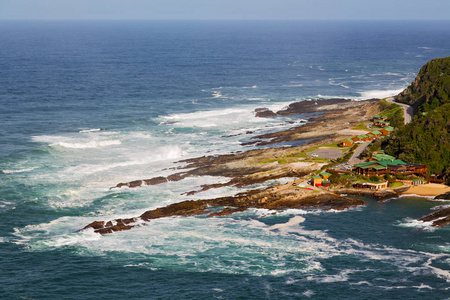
(441, 217)
(381, 195)
(274, 198)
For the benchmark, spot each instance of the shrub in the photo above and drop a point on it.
(374, 178)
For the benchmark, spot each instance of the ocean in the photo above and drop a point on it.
(85, 105)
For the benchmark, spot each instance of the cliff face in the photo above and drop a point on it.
(427, 138)
(431, 88)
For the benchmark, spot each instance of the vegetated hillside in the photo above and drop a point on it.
(431, 88)
(393, 111)
(425, 140)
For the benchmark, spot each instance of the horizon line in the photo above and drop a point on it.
(196, 20)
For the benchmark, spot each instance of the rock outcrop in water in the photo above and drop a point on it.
(439, 218)
(258, 166)
(281, 196)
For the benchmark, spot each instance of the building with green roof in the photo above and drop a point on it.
(376, 133)
(387, 130)
(325, 175)
(381, 164)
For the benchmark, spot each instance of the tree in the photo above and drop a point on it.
(374, 178)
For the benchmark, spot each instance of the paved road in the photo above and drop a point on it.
(407, 110)
(354, 159)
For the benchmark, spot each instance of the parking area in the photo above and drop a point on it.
(331, 153)
(344, 166)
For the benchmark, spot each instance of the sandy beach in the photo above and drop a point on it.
(430, 189)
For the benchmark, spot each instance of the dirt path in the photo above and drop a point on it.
(408, 112)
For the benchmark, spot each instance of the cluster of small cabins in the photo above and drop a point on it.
(380, 121)
(379, 164)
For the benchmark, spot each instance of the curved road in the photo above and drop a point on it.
(355, 157)
(407, 115)
(407, 109)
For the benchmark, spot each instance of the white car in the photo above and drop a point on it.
(314, 155)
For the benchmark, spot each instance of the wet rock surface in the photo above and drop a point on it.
(264, 112)
(278, 197)
(381, 195)
(445, 196)
(439, 218)
(251, 167)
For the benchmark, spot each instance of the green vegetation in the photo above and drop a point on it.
(336, 179)
(431, 88)
(373, 147)
(394, 113)
(360, 126)
(333, 145)
(395, 185)
(374, 178)
(348, 155)
(297, 155)
(293, 156)
(425, 140)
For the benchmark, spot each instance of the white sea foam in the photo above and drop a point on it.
(287, 226)
(261, 249)
(413, 223)
(417, 196)
(24, 170)
(441, 273)
(439, 207)
(87, 145)
(379, 93)
(160, 154)
(74, 142)
(386, 74)
(308, 293)
(217, 94)
(293, 84)
(341, 277)
(89, 130)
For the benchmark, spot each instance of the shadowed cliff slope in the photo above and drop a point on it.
(431, 88)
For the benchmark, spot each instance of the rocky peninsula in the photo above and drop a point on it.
(331, 120)
(334, 118)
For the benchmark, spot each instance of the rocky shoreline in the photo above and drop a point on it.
(278, 197)
(335, 119)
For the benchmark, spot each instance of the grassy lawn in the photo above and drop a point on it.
(292, 157)
(333, 145)
(396, 185)
(296, 156)
(361, 126)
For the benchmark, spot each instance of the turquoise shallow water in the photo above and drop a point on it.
(85, 105)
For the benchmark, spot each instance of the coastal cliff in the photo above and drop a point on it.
(431, 88)
(426, 140)
(333, 119)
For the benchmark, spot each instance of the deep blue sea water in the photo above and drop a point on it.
(86, 105)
